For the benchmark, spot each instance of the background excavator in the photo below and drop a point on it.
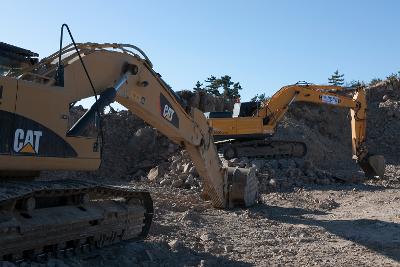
(37, 217)
(247, 130)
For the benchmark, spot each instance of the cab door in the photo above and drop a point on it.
(8, 93)
(41, 119)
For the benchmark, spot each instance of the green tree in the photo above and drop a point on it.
(230, 89)
(394, 77)
(259, 98)
(375, 81)
(336, 79)
(198, 87)
(355, 83)
(234, 92)
(213, 85)
(226, 83)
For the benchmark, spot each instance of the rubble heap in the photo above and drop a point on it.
(135, 151)
(178, 172)
(131, 148)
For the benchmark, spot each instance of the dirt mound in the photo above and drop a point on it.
(283, 174)
(178, 172)
(135, 151)
(384, 120)
(326, 131)
(206, 102)
(131, 148)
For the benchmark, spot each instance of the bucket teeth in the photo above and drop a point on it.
(243, 189)
(373, 165)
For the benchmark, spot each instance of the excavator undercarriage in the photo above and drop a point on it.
(48, 218)
(263, 148)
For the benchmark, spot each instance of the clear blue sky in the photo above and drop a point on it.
(262, 44)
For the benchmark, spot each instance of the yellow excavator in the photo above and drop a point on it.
(40, 218)
(247, 130)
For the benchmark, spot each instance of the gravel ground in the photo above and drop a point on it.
(329, 225)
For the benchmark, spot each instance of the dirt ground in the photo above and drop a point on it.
(316, 225)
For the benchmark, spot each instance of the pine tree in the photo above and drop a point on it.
(226, 83)
(234, 92)
(198, 87)
(259, 98)
(230, 89)
(355, 83)
(213, 85)
(336, 79)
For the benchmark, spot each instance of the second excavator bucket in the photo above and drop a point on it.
(373, 165)
(243, 187)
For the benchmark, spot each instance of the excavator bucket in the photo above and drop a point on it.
(373, 165)
(243, 187)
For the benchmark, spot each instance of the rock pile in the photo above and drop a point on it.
(135, 151)
(206, 102)
(273, 175)
(131, 148)
(326, 131)
(384, 120)
(178, 172)
(284, 174)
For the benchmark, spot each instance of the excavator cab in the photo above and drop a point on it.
(245, 109)
(13, 57)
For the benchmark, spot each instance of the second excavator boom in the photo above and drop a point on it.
(251, 128)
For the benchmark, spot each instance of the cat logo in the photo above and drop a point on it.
(168, 112)
(27, 141)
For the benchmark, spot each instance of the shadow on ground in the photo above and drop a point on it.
(347, 187)
(380, 236)
(152, 253)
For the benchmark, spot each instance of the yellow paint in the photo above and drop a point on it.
(27, 149)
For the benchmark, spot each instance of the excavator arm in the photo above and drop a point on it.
(146, 95)
(115, 73)
(275, 108)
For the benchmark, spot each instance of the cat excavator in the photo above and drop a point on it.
(247, 131)
(40, 217)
